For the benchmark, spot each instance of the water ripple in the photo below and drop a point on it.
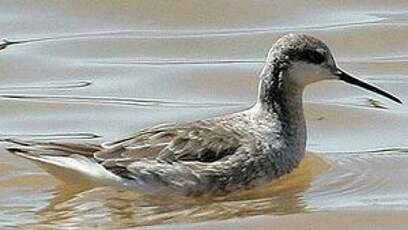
(51, 136)
(4, 43)
(119, 101)
(180, 62)
(361, 179)
(49, 86)
(175, 33)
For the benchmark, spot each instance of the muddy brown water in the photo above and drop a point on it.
(97, 70)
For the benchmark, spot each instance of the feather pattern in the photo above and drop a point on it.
(212, 156)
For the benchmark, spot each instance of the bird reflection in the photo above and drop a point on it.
(84, 206)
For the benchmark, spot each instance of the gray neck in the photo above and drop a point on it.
(278, 94)
(282, 100)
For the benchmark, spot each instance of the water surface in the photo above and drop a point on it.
(95, 71)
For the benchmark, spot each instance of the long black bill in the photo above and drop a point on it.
(354, 81)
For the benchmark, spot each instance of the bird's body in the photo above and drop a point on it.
(216, 155)
(212, 156)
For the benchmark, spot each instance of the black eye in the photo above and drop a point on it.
(313, 56)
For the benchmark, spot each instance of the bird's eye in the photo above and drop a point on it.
(314, 56)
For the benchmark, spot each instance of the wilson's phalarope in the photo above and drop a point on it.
(217, 155)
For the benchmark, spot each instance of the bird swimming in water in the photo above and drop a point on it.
(211, 156)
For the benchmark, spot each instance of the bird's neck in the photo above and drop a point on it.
(278, 95)
(281, 100)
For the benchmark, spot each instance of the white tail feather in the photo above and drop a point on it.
(74, 168)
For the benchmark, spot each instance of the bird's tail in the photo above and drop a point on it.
(67, 162)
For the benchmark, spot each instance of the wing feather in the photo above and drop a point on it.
(198, 141)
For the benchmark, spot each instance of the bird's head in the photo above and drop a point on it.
(305, 60)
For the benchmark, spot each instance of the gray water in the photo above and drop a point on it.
(95, 71)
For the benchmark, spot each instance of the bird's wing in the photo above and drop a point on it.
(161, 156)
(50, 148)
(202, 141)
(191, 158)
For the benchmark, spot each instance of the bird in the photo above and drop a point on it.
(213, 156)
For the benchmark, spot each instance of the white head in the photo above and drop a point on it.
(304, 60)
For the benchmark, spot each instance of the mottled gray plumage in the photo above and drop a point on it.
(222, 154)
